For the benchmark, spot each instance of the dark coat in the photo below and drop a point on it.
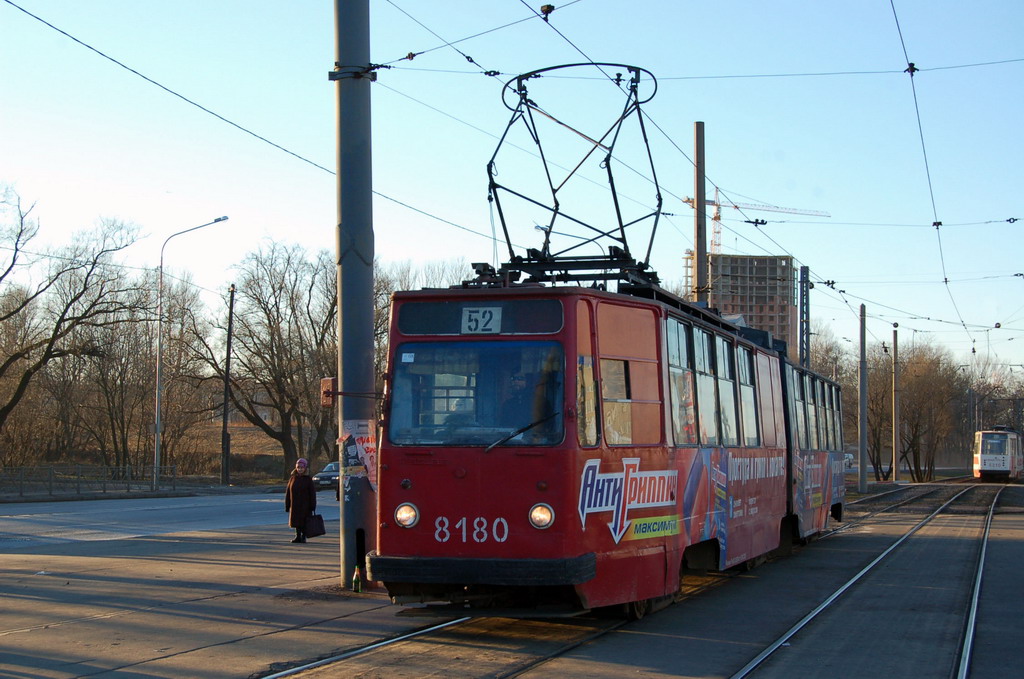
(299, 499)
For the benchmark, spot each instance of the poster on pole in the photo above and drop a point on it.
(358, 450)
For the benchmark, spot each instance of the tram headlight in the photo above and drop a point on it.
(542, 516)
(406, 515)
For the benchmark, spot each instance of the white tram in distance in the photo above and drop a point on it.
(998, 454)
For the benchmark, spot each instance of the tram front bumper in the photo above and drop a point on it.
(503, 572)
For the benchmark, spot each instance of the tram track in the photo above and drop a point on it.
(853, 609)
(341, 634)
(500, 648)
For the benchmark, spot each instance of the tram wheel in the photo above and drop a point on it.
(638, 609)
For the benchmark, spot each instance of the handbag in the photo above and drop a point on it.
(315, 526)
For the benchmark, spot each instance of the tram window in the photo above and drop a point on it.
(727, 391)
(586, 402)
(770, 410)
(618, 429)
(672, 332)
(684, 413)
(587, 430)
(460, 393)
(748, 402)
(629, 393)
(823, 420)
(810, 399)
(837, 398)
(796, 379)
(707, 409)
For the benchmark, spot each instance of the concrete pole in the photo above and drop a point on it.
(700, 222)
(355, 252)
(862, 413)
(895, 407)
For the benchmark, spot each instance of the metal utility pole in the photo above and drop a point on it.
(353, 75)
(700, 221)
(225, 437)
(804, 327)
(895, 407)
(862, 414)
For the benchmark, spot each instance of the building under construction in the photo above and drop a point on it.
(762, 290)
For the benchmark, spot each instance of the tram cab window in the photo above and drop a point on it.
(477, 393)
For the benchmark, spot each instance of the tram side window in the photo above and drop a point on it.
(628, 394)
(586, 401)
(727, 391)
(748, 401)
(615, 393)
(704, 365)
(796, 379)
(684, 413)
(837, 411)
(769, 399)
(586, 381)
(810, 400)
(823, 418)
(630, 374)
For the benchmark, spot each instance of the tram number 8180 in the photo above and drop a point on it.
(477, 530)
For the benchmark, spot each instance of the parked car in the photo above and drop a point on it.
(327, 477)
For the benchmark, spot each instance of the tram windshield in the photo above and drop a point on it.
(993, 444)
(506, 393)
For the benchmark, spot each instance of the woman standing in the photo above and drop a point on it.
(299, 499)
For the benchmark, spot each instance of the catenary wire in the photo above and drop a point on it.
(245, 130)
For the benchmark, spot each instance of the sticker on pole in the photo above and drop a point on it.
(358, 451)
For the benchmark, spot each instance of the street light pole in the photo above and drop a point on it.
(158, 425)
(895, 407)
(225, 437)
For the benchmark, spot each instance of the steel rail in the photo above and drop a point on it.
(972, 615)
(765, 654)
(364, 649)
(853, 523)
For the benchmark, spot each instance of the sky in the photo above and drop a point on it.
(805, 105)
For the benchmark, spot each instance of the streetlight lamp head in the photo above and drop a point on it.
(220, 219)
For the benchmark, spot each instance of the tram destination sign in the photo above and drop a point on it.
(478, 317)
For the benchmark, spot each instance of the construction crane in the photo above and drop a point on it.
(716, 216)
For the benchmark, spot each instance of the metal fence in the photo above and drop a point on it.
(61, 480)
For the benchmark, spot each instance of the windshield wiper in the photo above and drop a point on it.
(519, 431)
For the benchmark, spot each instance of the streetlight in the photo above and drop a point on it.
(158, 426)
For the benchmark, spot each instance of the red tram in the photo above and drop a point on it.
(557, 449)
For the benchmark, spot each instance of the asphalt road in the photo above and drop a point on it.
(211, 587)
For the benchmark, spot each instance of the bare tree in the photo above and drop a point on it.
(284, 342)
(930, 396)
(47, 300)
